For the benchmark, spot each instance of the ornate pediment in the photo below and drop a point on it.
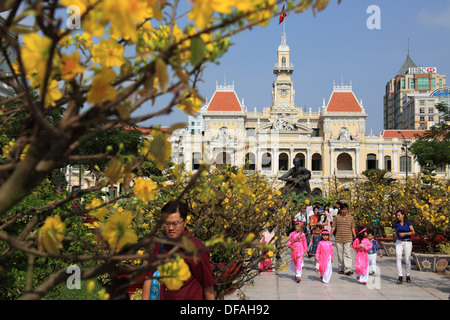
(344, 136)
(223, 137)
(281, 125)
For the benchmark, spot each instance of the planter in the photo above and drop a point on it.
(389, 248)
(125, 273)
(431, 262)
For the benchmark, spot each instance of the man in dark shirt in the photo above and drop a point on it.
(201, 283)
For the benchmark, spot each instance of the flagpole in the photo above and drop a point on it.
(284, 21)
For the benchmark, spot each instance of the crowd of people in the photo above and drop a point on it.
(309, 235)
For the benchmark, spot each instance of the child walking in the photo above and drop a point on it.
(298, 246)
(315, 239)
(373, 252)
(325, 256)
(362, 246)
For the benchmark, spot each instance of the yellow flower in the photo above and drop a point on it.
(71, 66)
(116, 230)
(51, 235)
(270, 254)
(100, 212)
(190, 105)
(101, 87)
(145, 190)
(108, 53)
(52, 94)
(90, 286)
(203, 10)
(35, 52)
(174, 273)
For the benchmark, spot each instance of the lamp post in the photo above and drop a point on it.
(405, 147)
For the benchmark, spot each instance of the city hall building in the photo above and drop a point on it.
(330, 142)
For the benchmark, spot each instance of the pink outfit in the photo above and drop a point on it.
(362, 257)
(324, 254)
(297, 241)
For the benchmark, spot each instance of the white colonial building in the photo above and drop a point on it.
(331, 142)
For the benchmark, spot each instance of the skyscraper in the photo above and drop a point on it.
(409, 80)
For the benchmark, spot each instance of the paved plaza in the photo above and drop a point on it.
(280, 285)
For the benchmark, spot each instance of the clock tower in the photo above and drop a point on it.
(283, 92)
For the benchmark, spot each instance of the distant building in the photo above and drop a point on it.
(331, 142)
(411, 81)
(5, 71)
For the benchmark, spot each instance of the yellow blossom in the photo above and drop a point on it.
(51, 235)
(116, 230)
(100, 212)
(174, 273)
(145, 190)
(35, 52)
(101, 87)
(71, 66)
(108, 53)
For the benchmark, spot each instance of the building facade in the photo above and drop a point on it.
(331, 142)
(410, 80)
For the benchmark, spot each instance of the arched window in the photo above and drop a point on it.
(250, 163)
(344, 162)
(371, 162)
(283, 162)
(301, 156)
(196, 159)
(316, 162)
(388, 163)
(266, 161)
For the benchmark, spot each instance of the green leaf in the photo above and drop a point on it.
(163, 74)
(197, 50)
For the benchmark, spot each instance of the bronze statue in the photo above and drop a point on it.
(297, 178)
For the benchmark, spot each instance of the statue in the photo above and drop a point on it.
(297, 178)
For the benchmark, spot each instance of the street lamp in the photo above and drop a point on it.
(405, 147)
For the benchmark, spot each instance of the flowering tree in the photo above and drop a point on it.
(422, 198)
(113, 58)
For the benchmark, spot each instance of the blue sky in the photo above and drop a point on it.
(334, 45)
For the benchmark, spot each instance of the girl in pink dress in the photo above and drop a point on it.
(325, 256)
(362, 245)
(299, 248)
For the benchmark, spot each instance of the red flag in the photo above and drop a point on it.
(282, 15)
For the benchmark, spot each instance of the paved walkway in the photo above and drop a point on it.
(280, 285)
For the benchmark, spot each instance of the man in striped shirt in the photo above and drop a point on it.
(345, 227)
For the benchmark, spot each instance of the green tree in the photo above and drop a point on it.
(434, 144)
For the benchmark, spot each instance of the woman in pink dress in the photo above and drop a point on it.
(299, 248)
(362, 245)
(324, 257)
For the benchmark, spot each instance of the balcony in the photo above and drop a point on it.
(277, 68)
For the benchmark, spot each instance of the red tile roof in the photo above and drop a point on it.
(224, 101)
(343, 102)
(409, 134)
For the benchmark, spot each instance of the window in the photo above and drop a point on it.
(283, 162)
(250, 132)
(440, 83)
(422, 110)
(403, 83)
(423, 84)
(412, 84)
(316, 162)
(430, 110)
(266, 161)
(430, 118)
(405, 163)
(431, 102)
(422, 118)
(433, 83)
(387, 163)
(315, 132)
(196, 159)
(422, 102)
(372, 162)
